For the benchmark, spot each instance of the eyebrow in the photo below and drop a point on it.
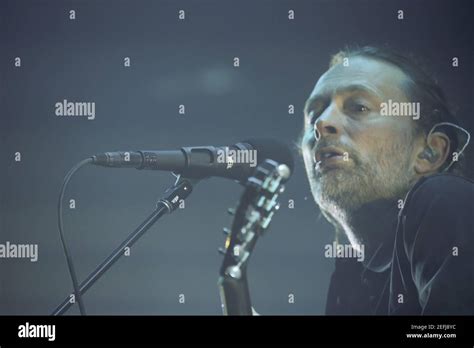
(352, 88)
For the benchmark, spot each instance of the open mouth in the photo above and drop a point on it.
(327, 153)
(330, 158)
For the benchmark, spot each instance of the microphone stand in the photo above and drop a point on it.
(181, 189)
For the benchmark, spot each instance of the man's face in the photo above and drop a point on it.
(353, 154)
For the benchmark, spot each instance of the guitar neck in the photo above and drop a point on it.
(235, 295)
(256, 207)
(233, 288)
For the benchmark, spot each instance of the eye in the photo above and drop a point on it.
(362, 108)
(354, 107)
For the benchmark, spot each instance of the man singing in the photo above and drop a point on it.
(382, 154)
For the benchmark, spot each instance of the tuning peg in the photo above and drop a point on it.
(226, 231)
(221, 250)
(231, 211)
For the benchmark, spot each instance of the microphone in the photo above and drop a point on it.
(236, 162)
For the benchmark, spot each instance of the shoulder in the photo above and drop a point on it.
(444, 194)
(438, 241)
(446, 186)
(438, 210)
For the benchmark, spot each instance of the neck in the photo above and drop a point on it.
(371, 228)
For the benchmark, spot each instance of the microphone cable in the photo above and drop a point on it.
(70, 264)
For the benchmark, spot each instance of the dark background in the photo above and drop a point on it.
(180, 62)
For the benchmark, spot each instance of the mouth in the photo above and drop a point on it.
(330, 158)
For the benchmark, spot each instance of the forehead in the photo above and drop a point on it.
(383, 79)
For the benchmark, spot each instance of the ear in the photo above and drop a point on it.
(432, 154)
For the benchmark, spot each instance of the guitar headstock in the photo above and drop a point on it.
(253, 214)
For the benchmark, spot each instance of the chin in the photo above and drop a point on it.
(333, 185)
(337, 195)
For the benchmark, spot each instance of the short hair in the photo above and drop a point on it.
(421, 88)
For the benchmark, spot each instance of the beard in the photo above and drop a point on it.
(384, 175)
(344, 193)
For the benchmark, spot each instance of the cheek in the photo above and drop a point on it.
(379, 140)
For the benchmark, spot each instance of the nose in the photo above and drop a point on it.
(329, 123)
